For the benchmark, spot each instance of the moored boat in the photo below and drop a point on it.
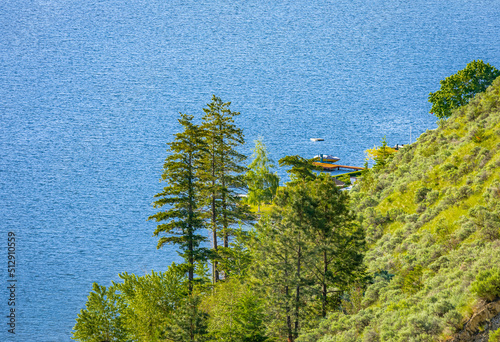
(326, 158)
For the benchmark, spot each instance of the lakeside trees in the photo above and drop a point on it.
(181, 222)
(288, 272)
(306, 253)
(222, 173)
(430, 213)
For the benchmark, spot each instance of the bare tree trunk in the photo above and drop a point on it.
(297, 295)
(325, 270)
(287, 309)
(215, 271)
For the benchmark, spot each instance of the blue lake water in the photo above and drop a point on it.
(90, 92)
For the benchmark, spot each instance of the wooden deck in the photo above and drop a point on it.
(332, 167)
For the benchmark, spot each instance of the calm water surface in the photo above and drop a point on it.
(90, 92)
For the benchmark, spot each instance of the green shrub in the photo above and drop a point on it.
(464, 192)
(421, 194)
(487, 284)
(494, 336)
(432, 196)
(478, 135)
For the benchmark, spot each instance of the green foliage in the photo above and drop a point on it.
(150, 300)
(479, 135)
(236, 313)
(187, 322)
(182, 220)
(487, 284)
(222, 173)
(380, 154)
(421, 194)
(235, 260)
(494, 336)
(143, 309)
(302, 169)
(431, 217)
(101, 319)
(306, 252)
(345, 178)
(457, 90)
(411, 279)
(262, 183)
(486, 221)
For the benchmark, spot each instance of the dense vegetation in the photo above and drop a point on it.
(432, 222)
(407, 255)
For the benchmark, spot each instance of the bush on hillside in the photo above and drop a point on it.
(487, 284)
(494, 336)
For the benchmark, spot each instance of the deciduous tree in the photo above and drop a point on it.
(101, 319)
(456, 90)
(262, 183)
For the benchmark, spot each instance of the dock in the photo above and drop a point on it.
(332, 167)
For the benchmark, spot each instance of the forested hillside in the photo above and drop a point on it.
(431, 213)
(411, 253)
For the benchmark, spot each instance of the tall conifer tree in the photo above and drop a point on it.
(281, 253)
(307, 249)
(338, 240)
(223, 172)
(180, 222)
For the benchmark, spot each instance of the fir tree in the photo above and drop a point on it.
(223, 172)
(306, 250)
(182, 219)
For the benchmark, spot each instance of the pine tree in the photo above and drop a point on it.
(281, 252)
(307, 249)
(182, 219)
(187, 322)
(223, 172)
(381, 154)
(262, 183)
(337, 239)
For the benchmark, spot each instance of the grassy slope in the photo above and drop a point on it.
(432, 223)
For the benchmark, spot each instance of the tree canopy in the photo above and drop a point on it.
(223, 173)
(180, 223)
(456, 90)
(380, 154)
(306, 253)
(302, 169)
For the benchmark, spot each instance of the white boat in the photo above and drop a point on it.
(326, 158)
